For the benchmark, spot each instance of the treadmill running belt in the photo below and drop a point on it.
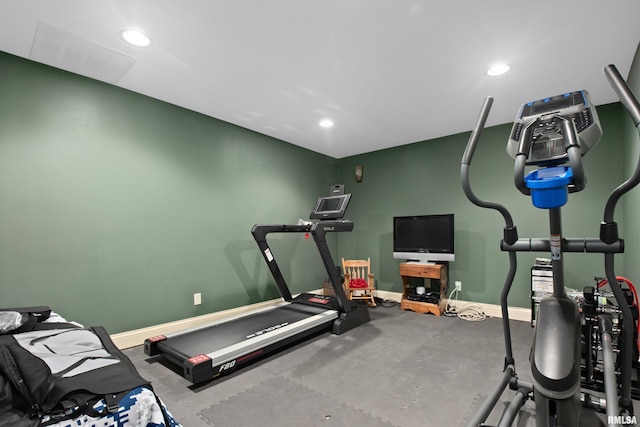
(222, 335)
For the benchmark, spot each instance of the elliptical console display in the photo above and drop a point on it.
(538, 127)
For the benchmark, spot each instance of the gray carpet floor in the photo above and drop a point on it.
(400, 369)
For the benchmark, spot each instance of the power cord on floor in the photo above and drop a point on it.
(469, 312)
(386, 303)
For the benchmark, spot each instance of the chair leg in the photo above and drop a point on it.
(373, 300)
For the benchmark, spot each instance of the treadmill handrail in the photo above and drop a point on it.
(318, 231)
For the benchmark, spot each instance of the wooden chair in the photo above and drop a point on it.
(359, 282)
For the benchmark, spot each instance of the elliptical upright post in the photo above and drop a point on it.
(553, 134)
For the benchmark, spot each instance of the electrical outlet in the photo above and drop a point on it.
(458, 285)
(197, 298)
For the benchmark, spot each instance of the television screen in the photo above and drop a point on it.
(424, 237)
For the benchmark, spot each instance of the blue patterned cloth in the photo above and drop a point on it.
(139, 408)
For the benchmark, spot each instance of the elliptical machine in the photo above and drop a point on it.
(553, 134)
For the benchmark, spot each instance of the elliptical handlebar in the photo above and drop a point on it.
(624, 92)
(464, 171)
(609, 234)
(475, 135)
(521, 157)
(631, 103)
(574, 154)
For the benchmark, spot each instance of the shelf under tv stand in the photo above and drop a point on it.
(426, 271)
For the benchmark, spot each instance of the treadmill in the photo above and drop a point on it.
(211, 350)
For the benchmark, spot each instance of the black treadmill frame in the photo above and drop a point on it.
(351, 313)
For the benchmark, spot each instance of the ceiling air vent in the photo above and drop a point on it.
(61, 49)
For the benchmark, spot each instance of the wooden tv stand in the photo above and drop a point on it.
(427, 271)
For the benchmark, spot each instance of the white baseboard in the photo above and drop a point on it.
(136, 337)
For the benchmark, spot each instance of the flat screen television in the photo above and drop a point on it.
(424, 238)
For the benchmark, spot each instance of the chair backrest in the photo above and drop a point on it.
(356, 268)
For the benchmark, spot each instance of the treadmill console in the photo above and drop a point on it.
(330, 207)
(540, 123)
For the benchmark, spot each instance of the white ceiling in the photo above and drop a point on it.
(387, 72)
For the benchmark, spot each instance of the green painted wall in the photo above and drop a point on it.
(424, 178)
(116, 208)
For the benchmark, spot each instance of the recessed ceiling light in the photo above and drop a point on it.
(498, 70)
(326, 123)
(136, 38)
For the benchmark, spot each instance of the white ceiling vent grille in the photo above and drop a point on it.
(61, 49)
